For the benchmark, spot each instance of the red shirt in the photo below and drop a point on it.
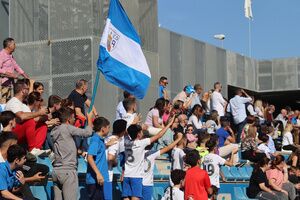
(196, 184)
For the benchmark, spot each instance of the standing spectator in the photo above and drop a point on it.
(197, 183)
(259, 109)
(121, 112)
(278, 178)
(206, 102)
(8, 67)
(196, 98)
(131, 117)
(217, 100)
(283, 117)
(178, 154)
(259, 187)
(175, 193)
(186, 96)
(162, 89)
(78, 96)
(27, 130)
(213, 122)
(269, 113)
(238, 110)
(38, 87)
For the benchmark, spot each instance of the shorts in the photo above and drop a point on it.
(107, 190)
(132, 187)
(147, 192)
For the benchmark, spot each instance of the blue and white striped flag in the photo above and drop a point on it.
(121, 59)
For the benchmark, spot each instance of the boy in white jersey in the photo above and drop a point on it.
(178, 154)
(134, 156)
(177, 177)
(119, 129)
(212, 162)
(149, 163)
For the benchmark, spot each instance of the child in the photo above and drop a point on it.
(112, 152)
(8, 121)
(201, 148)
(64, 172)
(10, 179)
(178, 154)
(149, 167)
(134, 156)
(211, 163)
(263, 146)
(97, 170)
(177, 177)
(197, 183)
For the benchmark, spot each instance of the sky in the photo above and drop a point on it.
(275, 29)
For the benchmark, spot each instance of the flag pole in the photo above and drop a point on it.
(95, 89)
(249, 33)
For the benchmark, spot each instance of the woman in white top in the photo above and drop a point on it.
(195, 118)
(287, 140)
(154, 117)
(259, 109)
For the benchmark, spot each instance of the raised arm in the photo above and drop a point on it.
(162, 132)
(172, 145)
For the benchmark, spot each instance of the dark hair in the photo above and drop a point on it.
(15, 152)
(263, 137)
(64, 114)
(202, 137)
(6, 117)
(7, 136)
(36, 85)
(53, 99)
(261, 163)
(26, 81)
(159, 105)
(80, 83)
(7, 41)
(195, 107)
(67, 103)
(224, 121)
(119, 126)
(33, 97)
(276, 161)
(127, 103)
(215, 84)
(196, 86)
(162, 79)
(126, 94)
(177, 175)
(250, 119)
(211, 144)
(100, 122)
(238, 91)
(214, 116)
(133, 131)
(19, 85)
(192, 158)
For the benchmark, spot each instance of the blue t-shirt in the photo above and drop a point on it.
(161, 91)
(223, 135)
(8, 178)
(97, 149)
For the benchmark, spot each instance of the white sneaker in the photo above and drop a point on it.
(38, 152)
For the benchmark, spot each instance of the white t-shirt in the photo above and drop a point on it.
(177, 158)
(218, 103)
(121, 144)
(177, 194)
(211, 163)
(2, 160)
(129, 117)
(287, 139)
(112, 150)
(197, 124)
(149, 163)
(134, 155)
(264, 148)
(211, 126)
(15, 105)
(120, 112)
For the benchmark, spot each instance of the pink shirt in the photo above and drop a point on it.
(277, 175)
(8, 64)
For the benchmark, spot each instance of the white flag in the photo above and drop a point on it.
(248, 9)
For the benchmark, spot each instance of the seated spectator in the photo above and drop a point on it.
(191, 137)
(186, 96)
(213, 122)
(27, 130)
(38, 87)
(154, 117)
(196, 98)
(201, 147)
(250, 107)
(227, 140)
(167, 111)
(197, 183)
(177, 177)
(294, 159)
(278, 178)
(195, 118)
(120, 112)
(259, 109)
(269, 113)
(263, 145)
(283, 117)
(11, 179)
(182, 119)
(259, 187)
(249, 149)
(287, 140)
(8, 121)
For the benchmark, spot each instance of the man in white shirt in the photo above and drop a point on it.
(186, 96)
(212, 162)
(121, 112)
(218, 103)
(27, 131)
(238, 110)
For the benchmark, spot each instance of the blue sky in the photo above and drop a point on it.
(275, 28)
